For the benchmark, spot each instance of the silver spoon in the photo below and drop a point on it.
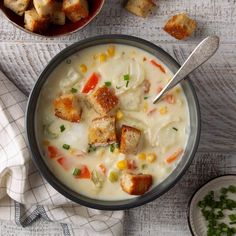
(201, 54)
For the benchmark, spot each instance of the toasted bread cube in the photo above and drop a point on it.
(44, 8)
(103, 100)
(140, 7)
(102, 131)
(135, 184)
(130, 138)
(67, 107)
(34, 22)
(180, 26)
(18, 6)
(75, 9)
(58, 16)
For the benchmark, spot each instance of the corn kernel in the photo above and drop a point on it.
(145, 106)
(178, 90)
(142, 156)
(83, 68)
(113, 176)
(122, 165)
(151, 157)
(119, 115)
(102, 57)
(163, 110)
(111, 51)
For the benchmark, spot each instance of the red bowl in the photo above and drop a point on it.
(95, 7)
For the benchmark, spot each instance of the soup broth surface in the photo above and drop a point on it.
(135, 77)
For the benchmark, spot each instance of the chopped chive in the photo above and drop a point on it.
(76, 172)
(112, 148)
(73, 90)
(91, 148)
(118, 87)
(232, 217)
(126, 77)
(108, 83)
(174, 128)
(145, 98)
(127, 83)
(66, 146)
(232, 189)
(62, 128)
(68, 61)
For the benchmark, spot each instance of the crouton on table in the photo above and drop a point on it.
(18, 6)
(103, 100)
(135, 184)
(180, 26)
(76, 9)
(130, 138)
(67, 107)
(58, 16)
(140, 7)
(44, 8)
(102, 131)
(34, 22)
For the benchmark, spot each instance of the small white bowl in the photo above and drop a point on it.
(196, 221)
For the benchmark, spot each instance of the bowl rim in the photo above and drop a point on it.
(58, 35)
(195, 192)
(52, 180)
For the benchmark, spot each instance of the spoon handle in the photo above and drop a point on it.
(201, 53)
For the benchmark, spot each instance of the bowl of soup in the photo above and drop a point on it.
(94, 132)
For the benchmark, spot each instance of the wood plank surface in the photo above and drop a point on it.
(23, 57)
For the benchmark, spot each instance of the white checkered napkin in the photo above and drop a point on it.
(24, 194)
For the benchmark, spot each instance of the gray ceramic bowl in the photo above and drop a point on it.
(164, 186)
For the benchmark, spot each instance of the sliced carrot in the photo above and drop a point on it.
(170, 98)
(158, 66)
(151, 112)
(173, 157)
(91, 83)
(131, 165)
(64, 163)
(85, 173)
(53, 152)
(102, 168)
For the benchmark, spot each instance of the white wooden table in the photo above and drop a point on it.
(22, 58)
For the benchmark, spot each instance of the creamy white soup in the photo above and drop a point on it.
(98, 130)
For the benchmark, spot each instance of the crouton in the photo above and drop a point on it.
(102, 131)
(103, 100)
(180, 26)
(58, 16)
(67, 107)
(140, 7)
(18, 6)
(44, 8)
(135, 184)
(75, 9)
(129, 141)
(34, 22)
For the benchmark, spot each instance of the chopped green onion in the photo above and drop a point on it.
(112, 148)
(232, 217)
(113, 176)
(76, 172)
(73, 90)
(145, 98)
(143, 166)
(232, 189)
(108, 83)
(174, 128)
(66, 146)
(118, 87)
(126, 77)
(127, 83)
(62, 128)
(91, 148)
